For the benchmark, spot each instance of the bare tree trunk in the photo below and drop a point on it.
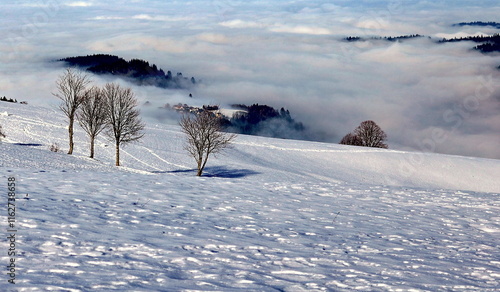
(70, 132)
(204, 163)
(92, 147)
(200, 168)
(2, 135)
(117, 154)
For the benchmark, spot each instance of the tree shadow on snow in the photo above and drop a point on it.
(28, 144)
(216, 171)
(225, 172)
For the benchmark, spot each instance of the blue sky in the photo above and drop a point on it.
(290, 54)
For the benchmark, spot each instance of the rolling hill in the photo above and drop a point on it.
(268, 215)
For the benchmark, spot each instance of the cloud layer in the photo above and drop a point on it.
(427, 97)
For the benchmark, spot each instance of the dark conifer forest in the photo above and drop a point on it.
(137, 71)
(264, 120)
(489, 44)
(479, 23)
(389, 39)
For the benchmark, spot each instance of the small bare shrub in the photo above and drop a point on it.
(54, 147)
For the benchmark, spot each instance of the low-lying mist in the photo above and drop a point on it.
(426, 96)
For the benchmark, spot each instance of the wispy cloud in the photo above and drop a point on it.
(160, 17)
(107, 18)
(79, 4)
(239, 24)
(301, 29)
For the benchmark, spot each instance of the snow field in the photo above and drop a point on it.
(269, 215)
(163, 234)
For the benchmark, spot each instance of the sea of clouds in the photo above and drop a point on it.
(426, 96)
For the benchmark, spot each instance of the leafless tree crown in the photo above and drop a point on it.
(351, 139)
(371, 134)
(367, 134)
(204, 137)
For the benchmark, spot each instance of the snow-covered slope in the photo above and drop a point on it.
(269, 215)
(161, 151)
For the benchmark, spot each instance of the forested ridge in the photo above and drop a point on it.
(136, 70)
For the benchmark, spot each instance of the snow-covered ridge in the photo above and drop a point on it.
(162, 151)
(269, 215)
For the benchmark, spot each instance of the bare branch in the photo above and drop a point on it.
(351, 139)
(371, 135)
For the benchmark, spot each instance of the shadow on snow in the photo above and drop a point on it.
(28, 144)
(216, 171)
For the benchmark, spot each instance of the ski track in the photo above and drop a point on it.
(163, 160)
(139, 160)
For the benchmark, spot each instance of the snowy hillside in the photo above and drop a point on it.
(268, 215)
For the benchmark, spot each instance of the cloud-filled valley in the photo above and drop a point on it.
(426, 96)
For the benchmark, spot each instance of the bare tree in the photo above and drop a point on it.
(351, 139)
(71, 86)
(92, 114)
(124, 123)
(371, 135)
(204, 137)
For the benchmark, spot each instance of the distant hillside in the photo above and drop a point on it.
(479, 23)
(389, 39)
(489, 43)
(486, 43)
(263, 120)
(256, 119)
(137, 71)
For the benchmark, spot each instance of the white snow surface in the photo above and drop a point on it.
(268, 215)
